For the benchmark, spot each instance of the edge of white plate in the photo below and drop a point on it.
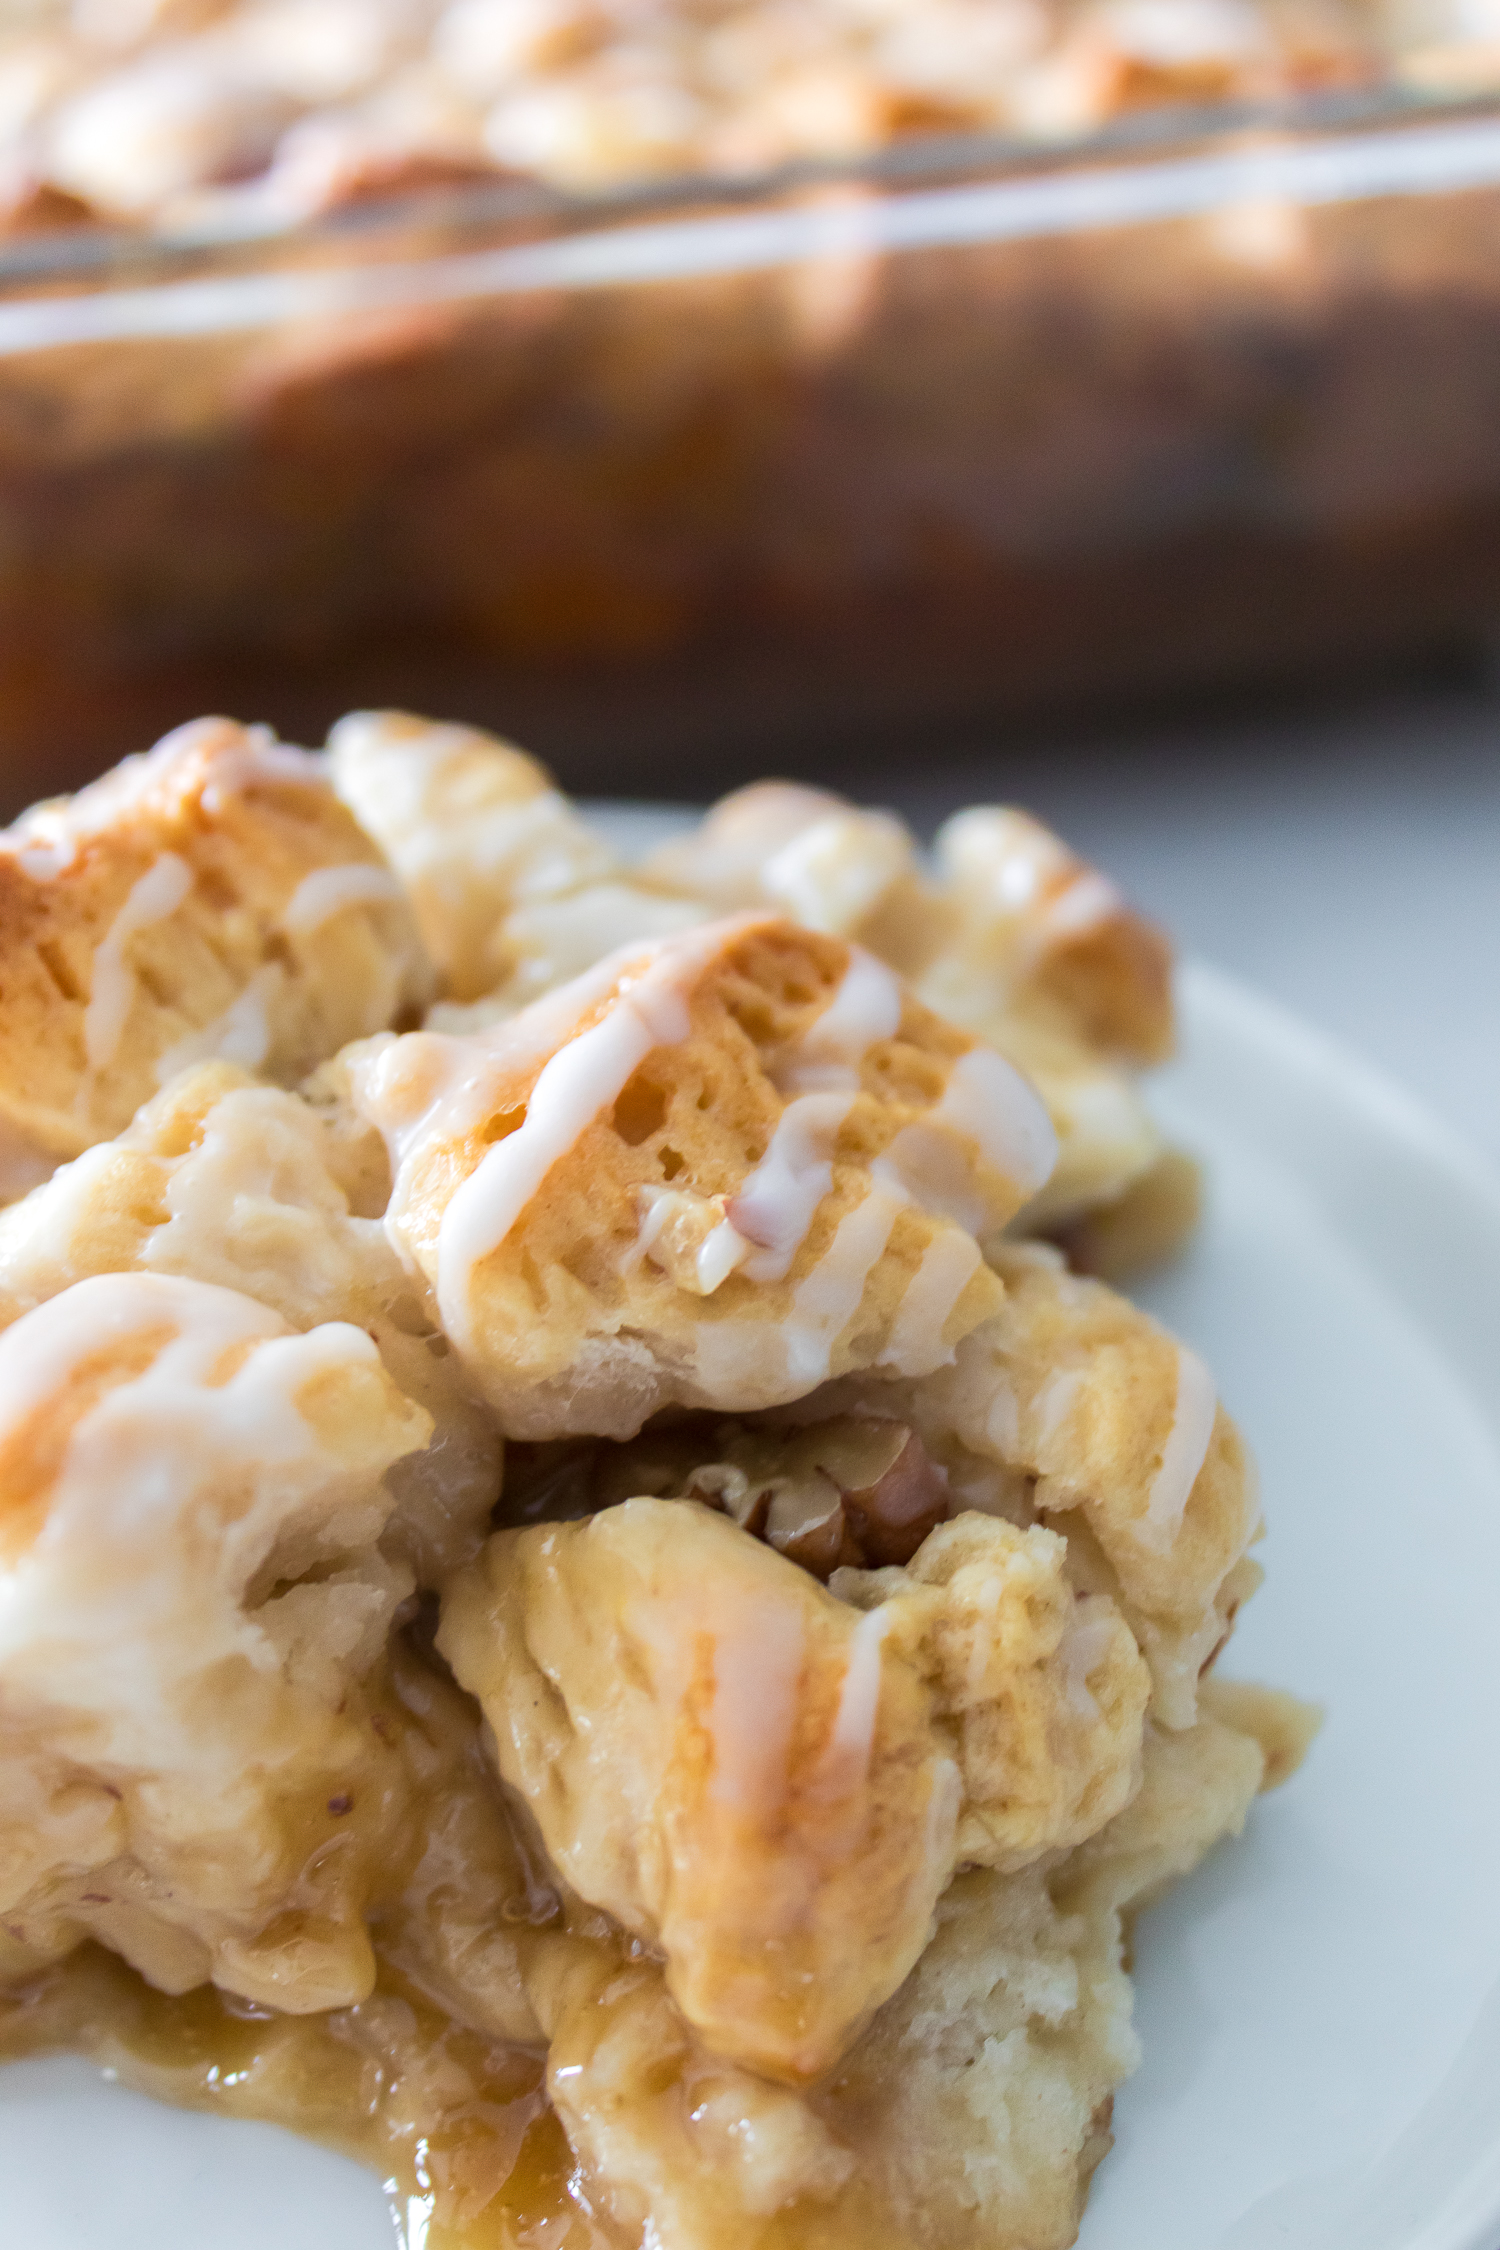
(1438, 1244)
(1353, 1136)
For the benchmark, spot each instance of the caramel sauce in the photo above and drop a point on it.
(457, 2126)
(454, 2120)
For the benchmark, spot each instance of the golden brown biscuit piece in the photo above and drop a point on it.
(1018, 940)
(1041, 1691)
(711, 1173)
(1033, 921)
(1107, 1138)
(770, 1786)
(191, 1500)
(255, 1189)
(513, 892)
(212, 898)
(826, 863)
(1014, 921)
(1071, 1405)
(974, 2108)
(718, 1753)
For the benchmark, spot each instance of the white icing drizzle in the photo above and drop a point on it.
(1083, 1648)
(1002, 1420)
(1185, 1451)
(660, 1206)
(242, 1034)
(828, 1299)
(1054, 1403)
(1031, 876)
(987, 1098)
(429, 1088)
(845, 1763)
(582, 1078)
(930, 1166)
(1009, 853)
(1028, 855)
(915, 1345)
(719, 1254)
(1089, 899)
(940, 1823)
(158, 893)
(39, 1351)
(329, 890)
(51, 854)
(171, 1492)
(758, 1658)
(253, 760)
(774, 1208)
(836, 869)
(866, 1008)
(202, 1323)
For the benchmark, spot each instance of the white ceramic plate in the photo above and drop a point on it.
(1321, 2004)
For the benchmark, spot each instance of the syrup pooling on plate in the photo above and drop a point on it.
(159, 892)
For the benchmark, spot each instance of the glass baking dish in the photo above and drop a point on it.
(672, 483)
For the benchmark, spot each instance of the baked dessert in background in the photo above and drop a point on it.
(168, 111)
(590, 1612)
(876, 478)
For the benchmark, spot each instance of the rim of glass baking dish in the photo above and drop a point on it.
(90, 254)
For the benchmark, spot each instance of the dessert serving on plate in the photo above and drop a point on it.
(594, 1608)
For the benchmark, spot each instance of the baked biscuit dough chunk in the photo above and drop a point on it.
(713, 1172)
(770, 1786)
(224, 1180)
(212, 898)
(1070, 1404)
(1017, 939)
(1014, 921)
(974, 2107)
(192, 1596)
(513, 892)
(1033, 921)
(828, 864)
